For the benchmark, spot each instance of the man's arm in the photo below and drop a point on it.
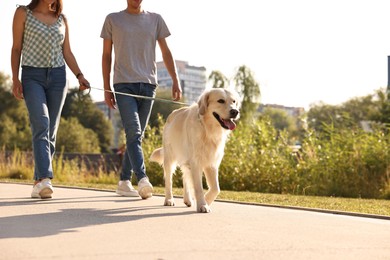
(171, 68)
(106, 70)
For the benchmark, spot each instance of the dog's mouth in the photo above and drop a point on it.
(225, 123)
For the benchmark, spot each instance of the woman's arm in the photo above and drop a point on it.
(16, 52)
(106, 70)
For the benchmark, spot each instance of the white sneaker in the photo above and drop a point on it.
(145, 188)
(42, 189)
(126, 189)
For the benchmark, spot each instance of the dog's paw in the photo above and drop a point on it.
(188, 202)
(204, 209)
(169, 202)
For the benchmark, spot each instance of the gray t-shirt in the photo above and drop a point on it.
(134, 37)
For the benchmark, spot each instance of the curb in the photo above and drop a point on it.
(318, 210)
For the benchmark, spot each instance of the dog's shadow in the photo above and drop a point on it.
(68, 219)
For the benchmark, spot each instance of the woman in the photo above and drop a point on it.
(41, 46)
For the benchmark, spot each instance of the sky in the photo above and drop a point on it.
(301, 52)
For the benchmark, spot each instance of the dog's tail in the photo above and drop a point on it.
(157, 156)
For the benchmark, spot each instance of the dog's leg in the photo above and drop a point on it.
(201, 203)
(211, 174)
(169, 169)
(187, 185)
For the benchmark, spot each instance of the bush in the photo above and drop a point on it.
(346, 162)
(334, 162)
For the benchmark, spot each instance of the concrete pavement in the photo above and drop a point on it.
(89, 224)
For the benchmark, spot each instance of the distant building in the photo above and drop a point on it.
(192, 79)
(291, 111)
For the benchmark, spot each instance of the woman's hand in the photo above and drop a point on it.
(84, 84)
(17, 89)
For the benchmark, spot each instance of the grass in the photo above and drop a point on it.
(351, 205)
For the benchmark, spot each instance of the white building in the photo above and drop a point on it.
(192, 79)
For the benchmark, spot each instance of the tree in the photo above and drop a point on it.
(350, 113)
(384, 103)
(14, 122)
(13, 135)
(249, 89)
(323, 114)
(73, 137)
(89, 116)
(218, 80)
(5, 82)
(280, 119)
(363, 108)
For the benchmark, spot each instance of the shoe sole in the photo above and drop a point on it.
(35, 196)
(46, 193)
(146, 192)
(127, 194)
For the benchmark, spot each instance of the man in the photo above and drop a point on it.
(134, 33)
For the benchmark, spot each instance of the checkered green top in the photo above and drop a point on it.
(42, 43)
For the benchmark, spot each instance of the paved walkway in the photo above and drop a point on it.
(87, 224)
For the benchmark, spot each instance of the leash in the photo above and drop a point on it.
(139, 96)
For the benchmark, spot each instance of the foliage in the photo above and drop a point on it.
(89, 116)
(337, 157)
(264, 161)
(5, 81)
(14, 134)
(161, 108)
(15, 129)
(351, 113)
(281, 121)
(249, 89)
(346, 162)
(218, 80)
(73, 137)
(14, 122)
(15, 165)
(338, 162)
(332, 162)
(384, 115)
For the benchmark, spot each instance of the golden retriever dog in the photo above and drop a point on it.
(194, 139)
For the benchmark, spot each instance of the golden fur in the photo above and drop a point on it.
(194, 139)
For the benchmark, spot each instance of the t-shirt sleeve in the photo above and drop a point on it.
(107, 29)
(162, 28)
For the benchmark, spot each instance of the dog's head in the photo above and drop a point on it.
(221, 104)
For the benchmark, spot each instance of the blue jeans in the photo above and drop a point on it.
(135, 113)
(44, 91)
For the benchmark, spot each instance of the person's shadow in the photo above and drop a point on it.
(67, 219)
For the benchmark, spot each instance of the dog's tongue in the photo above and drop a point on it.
(229, 124)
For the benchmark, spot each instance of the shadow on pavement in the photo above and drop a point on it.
(68, 219)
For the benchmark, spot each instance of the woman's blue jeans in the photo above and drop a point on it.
(135, 113)
(44, 91)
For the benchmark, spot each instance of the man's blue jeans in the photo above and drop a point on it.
(44, 91)
(135, 113)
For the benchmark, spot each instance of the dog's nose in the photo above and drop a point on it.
(233, 113)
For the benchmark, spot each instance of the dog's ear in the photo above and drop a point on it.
(203, 103)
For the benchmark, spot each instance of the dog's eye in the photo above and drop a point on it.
(221, 101)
